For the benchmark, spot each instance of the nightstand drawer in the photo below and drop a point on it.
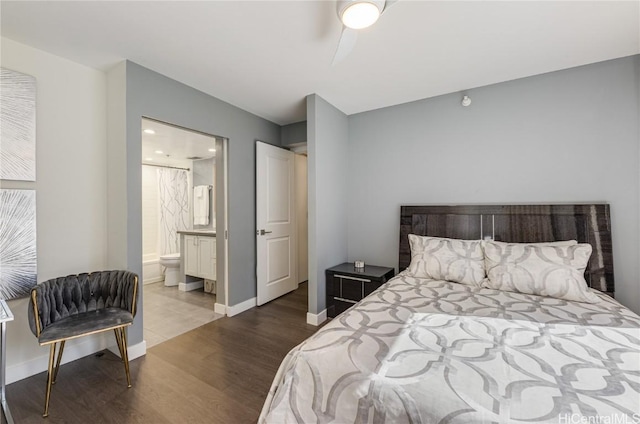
(339, 306)
(350, 288)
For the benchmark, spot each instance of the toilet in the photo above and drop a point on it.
(172, 263)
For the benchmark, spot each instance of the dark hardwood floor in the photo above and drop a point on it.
(218, 373)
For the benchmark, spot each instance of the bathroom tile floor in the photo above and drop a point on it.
(169, 312)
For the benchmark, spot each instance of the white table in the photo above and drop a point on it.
(5, 316)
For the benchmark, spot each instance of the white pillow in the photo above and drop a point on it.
(554, 271)
(546, 243)
(554, 243)
(460, 261)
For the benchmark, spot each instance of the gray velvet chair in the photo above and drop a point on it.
(78, 305)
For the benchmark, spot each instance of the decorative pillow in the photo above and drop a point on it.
(555, 243)
(554, 271)
(460, 261)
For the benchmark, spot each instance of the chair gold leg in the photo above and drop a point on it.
(52, 354)
(126, 356)
(57, 368)
(116, 331)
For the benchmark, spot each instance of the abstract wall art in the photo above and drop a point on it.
(17, 243)
(18, 126)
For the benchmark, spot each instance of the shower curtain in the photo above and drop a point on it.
(173, 195)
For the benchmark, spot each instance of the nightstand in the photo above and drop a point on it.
(346, 285)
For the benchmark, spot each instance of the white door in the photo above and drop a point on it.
(275, 222)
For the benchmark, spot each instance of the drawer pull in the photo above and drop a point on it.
(346, 277)
(344, 300)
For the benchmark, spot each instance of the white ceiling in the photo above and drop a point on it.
(176, 145)
(266, 56)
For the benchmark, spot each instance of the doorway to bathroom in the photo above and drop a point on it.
(183, 229)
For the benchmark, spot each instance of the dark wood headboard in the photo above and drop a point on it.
(586, 223)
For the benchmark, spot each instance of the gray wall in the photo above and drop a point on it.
(203, 174)
(567, 136)
(294, 133)
(327, 177)
(156, 96)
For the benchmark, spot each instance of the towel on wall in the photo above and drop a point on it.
(201, 205)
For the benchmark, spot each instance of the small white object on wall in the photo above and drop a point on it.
(466, 101)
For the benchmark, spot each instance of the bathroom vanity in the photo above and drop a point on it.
(198, 253)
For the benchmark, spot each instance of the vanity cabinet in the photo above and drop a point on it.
(200, 256)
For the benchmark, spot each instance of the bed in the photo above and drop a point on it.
(425, 350)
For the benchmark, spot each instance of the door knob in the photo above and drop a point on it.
(263, 232)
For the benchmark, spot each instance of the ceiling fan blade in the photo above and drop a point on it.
(345, 45)
(388, 4)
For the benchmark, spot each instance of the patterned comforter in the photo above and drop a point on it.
(428, 351)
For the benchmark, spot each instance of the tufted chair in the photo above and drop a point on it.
(78, 305)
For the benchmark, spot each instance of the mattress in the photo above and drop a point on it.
(429, 351)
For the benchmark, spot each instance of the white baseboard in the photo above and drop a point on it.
(241, 307)
(318, 319)
(195, 285)
(219, 308)
(135, 351)
(73, 349)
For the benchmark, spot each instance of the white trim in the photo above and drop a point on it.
(241, 307)
(225, 235)
(135, 351)
(194, 285)
(298, 148)
(316, 319)
(73, 349)
(219, 308)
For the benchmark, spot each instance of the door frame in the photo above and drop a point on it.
(223, 143)
(225, 214)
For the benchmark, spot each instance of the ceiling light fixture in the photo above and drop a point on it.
(360, 15)
(149, 131)
(159, 152)
(212, 150)
(149, 159)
